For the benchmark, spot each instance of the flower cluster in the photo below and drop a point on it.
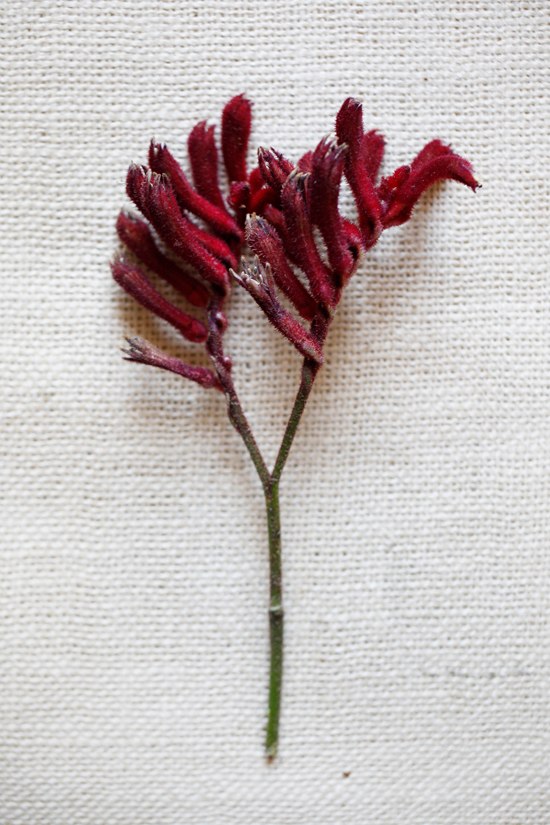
(286, 214)
(300, 252)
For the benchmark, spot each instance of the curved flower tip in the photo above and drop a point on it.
(142, 352)
(435, 162)
(274, 168)
(236, 126)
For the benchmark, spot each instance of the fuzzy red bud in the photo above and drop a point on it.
(136, 284)
(236, 125)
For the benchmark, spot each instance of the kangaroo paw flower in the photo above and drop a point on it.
(203, 157)
(138, 238)
(434, 162)
(300, 239)
(258, 280)
(236, 123)
(267, 244)
(142, 352)
(136, 284)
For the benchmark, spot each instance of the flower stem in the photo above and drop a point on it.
(276, 620)
(309, 371)
(270, 484)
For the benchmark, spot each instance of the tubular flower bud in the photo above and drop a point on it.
(203, 157)
(349, 129)
(162, 161)
(236, 124)
(137, 237)
(327, 166)
(142, 352)
(136, 284)
(267, 244)
(155, 198)
(299, 237)
(259, 282)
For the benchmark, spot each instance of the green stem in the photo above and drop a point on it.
(270, 484)
(309, 371)
(276, 621)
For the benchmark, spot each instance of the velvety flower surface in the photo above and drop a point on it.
(287, 214)
(299, 252)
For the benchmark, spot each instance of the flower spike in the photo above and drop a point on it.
(290, 217)
(142, 352)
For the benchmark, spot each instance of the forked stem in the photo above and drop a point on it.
(270, 485)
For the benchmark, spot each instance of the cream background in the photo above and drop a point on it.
(415, 504)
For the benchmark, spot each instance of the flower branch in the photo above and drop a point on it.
(288, 216)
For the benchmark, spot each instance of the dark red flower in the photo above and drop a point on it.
(258, 280)
(289, 214)
(392, 201)
(133, 281)
(236, 124)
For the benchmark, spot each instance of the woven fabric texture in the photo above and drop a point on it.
(416, 526)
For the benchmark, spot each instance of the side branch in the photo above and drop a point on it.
(216, 324)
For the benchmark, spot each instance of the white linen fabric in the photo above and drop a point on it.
(416, 527)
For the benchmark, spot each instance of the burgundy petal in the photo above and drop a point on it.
(349, 129)
(136, 284)
(137, 236)
(236, 125)
(203, 157)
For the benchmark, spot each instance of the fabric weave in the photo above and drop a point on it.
(416, 527)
